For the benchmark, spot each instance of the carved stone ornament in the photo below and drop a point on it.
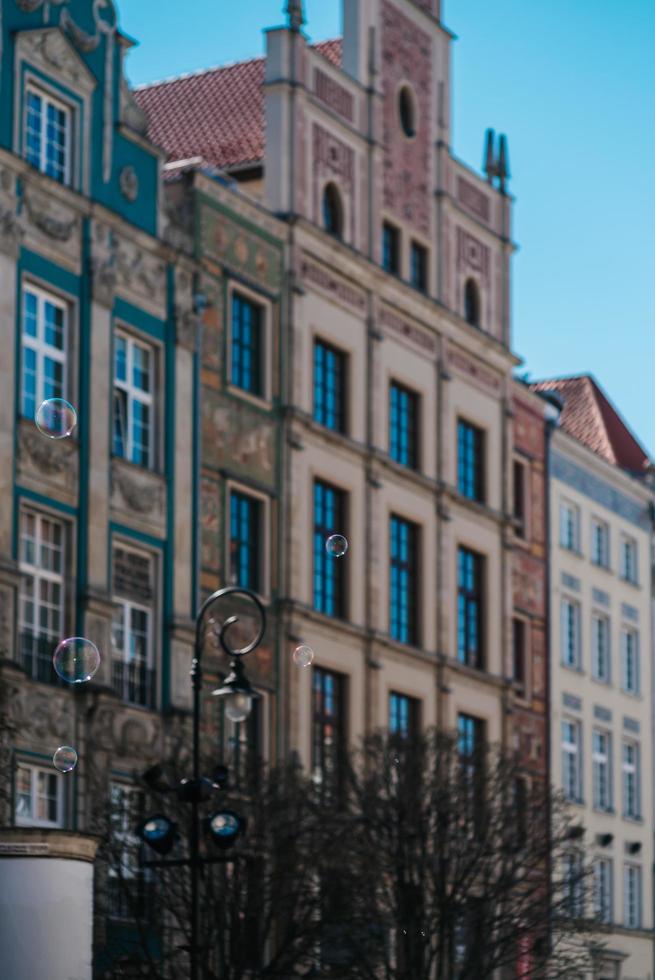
(129, 183)
(104, 272)
(54, 227)
(50, 49)
(11, 232)
(186, 319)
(143, 498)
(131, 114)
(139, 272)
(45, 456)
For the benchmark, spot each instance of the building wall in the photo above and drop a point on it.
(601, 491)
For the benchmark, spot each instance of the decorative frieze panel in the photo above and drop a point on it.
(141, 276)
(473, 199)
(103, 265)
(333, 95)
(186, 318)
(48, 466)
(333, 285)
(473, 257)
(237, 436)
(139, 495)
(474, 370)
(51, 227)
(233, 245)
(401, 327)
(593, 487)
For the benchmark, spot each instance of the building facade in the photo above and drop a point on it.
(601, 527)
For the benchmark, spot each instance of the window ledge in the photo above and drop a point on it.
(574, 552)
(573, 668)
(259, 401)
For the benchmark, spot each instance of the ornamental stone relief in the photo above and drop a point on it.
(55, 465)
(54, 221)
(129, 184)
(139, 492)
(50, 50)
(233, 436)
(186, 319)
(227, 241)
(141, 274)
(104, 274)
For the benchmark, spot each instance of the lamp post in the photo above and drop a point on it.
(224, 827)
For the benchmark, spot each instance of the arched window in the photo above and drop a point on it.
(407, 111)
(472, 303)
(332, 211)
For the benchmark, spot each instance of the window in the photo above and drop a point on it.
(629, 560)
(518, 483)
(328, 728)
(519, 632)
(39, 797)
(403, 425)
(390, 249)
(329, 572)
(470, 745)
(418, 267)
(631, 780)
(48, 135)
(44, 348)
(600, 650)
(133, 674)
(569, 526)
(570, 623)
(42, 593)
(403, 580)
(126, 804)
(133, 400)
(470, 461)
(630, 661)
(245, 546)
(407, 111)
(603, 890)
(403, 715)
(600, 543)
(602, 773)
(470, 598)
(246, 361)
(632, 896)
(332, 211)
(571, 765)
(471, 303)
(329, 386)
(573, 884)
(245, 747)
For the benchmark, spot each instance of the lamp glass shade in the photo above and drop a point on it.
(237, 706)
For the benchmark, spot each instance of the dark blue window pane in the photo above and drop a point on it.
(403, 425)
(469, 608)
(247, 369)
(329, 518)
(329, 387)
(328, 729)
(403, 715)
(470, 461)
(244, 541)
(390, 249)
(418, 267)
(403, 624)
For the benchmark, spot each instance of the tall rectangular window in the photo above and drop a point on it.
(630, 770)
(403, 425)
(569, 526)
(470, 745)
(570, 628)
(328, 729)
(571, 761)
(39, 797)
(630, 661)
(329, 571)
(133, 674)
(245, 543)
(519, 471)
(600, 542)
(418, 267)
(134, 382)
(403, 580)
(390, 248)
(573, 884)
(43, 349)
(403, 715)
(603, 900)
(329, 386)
(126, 810)
(519, 636)
(602, 771)
(470, 608)
(42, 592)
(247, 345)
(632, 900)
(470, 461)
(628, 564)
(48, 135)
(600, 651)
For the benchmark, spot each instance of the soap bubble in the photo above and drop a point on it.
(65, 758)
(303, 656)
(76, 660)
(56, 418)
(336, 545)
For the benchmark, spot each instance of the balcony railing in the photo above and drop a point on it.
(36, 657)
(134, 682)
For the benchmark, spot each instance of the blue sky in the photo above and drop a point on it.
(573, 86)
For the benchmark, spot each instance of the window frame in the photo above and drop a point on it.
(260, 584)
(600, 557)
(321, 412)
(631, 770)
(41, 349)
(59, 103)
(404, 599)
(628, 870)
(36, 769)
(42, 643)
(237, 292)
(412, 428)
(148, 399)
(331, 571)
(604, 909)
(465, 597)
(629, 572)
(573, 751)
(471, 461)
(603, 676)
(520, 682)
(322, 720)
(574, 605)
(520, 500)
(391, 257)
(397, 702)
(629, 633)
(333, 198)
(569, 542)
(602, 767)
(121, 681)
(418, 266)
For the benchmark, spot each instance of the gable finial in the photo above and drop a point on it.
(489, 156)
(503, 162)
(296, 14)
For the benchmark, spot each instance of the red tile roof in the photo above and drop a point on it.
(590, 417)
(217, 114)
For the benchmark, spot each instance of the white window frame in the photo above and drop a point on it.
(46, 99)
(38, 345)
(630, 638)
(629, 570)
(132, 394)
(602, 764)
(600, 557)
(632, 896)
(569, 521)
(266, 342)
(572, 751)
(35, 771)
(40, 574)
(566, 604)
(631, 770)
(600, 625)
(123, 608)
(604, 890)
(264, 531)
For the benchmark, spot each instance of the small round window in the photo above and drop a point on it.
(407, 111)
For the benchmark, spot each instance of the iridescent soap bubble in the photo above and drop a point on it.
(76, 660)
(56, 418)
(65, 758)
(303, 656)
(336, 545)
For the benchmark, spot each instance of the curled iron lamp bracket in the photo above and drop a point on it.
(223, 629)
